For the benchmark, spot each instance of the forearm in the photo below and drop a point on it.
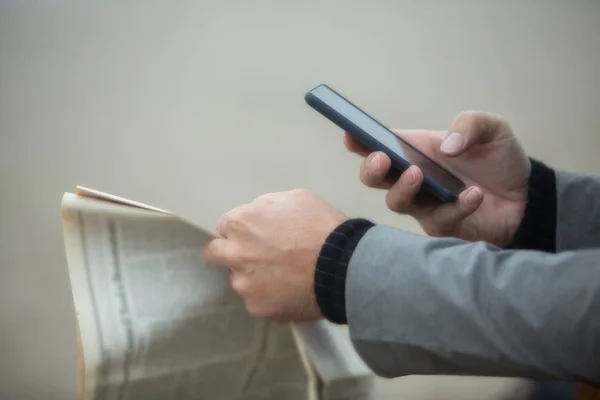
(418, 305)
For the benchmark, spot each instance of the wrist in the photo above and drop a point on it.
(332, 266)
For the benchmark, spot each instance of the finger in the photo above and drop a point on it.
(239, 283)
(355, 146)
(443, 219)
(401, 197)
(217, 252)
(374, 170)
(473, 127)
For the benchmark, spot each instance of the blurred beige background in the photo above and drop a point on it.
(198, 106)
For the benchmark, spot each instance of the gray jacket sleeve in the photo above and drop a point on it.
(418, 305)
(578, 211)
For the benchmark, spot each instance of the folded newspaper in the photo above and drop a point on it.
(154, 321)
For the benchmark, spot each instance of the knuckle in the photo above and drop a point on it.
(466, 115)
(237, 218)
(240, 260)
(240, 284)
(267, 197)
(230, 258)
(213, 254)
(302, 192)
(466, 118)
(392, 203)
(368, 177)
(397, 200)
(480, 122)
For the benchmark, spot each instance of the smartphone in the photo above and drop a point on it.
(437, 181)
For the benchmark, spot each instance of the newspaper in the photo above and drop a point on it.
(156, 322)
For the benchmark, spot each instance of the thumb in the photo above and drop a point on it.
(473, 127)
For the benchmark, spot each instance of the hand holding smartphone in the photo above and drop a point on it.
(437, 181)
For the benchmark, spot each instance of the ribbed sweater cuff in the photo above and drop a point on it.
(537, 230)
(332, 266)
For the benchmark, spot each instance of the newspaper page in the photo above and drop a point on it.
(343, 374)
(156, 322)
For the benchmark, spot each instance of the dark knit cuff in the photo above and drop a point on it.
(332, 266)
(537, 230)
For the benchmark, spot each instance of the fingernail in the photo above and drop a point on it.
(410, 177)
(376, 162)
(473, 196)
(453, 143)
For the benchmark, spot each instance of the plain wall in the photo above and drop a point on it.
(197, 107)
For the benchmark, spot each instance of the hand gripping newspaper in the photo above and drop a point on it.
(154, 321)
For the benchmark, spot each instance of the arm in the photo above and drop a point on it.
(419, 305)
